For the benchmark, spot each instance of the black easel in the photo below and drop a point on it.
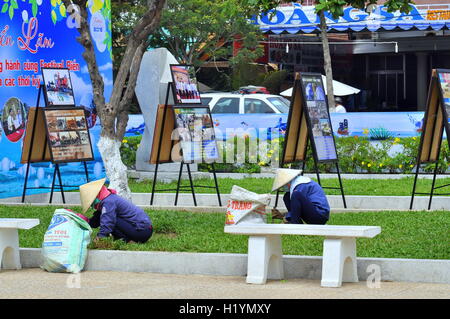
(298, 87)
(56, 171)
(431, 193)
(433, 124)
(158, 156)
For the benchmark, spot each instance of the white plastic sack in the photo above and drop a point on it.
(65, 243)
(245, 207)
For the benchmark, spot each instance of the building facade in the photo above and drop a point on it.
(389, 56)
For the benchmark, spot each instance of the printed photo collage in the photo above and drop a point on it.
(195, 131)
(444, 79)
(68, 134)
(58, 87)
(185, 84)
(318, 117)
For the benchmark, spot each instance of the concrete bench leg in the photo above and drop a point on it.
(9, 249)
(339, 262)
(265, 259)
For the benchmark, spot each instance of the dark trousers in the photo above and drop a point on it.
(305, 212)
(126, 231)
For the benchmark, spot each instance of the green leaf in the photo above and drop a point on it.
(62, 10)
(11, 12)
(5, 7)
(54, 18)
(320, 7)
(34, 9)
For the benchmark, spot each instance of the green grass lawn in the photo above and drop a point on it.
(415, 234)
(373, 187)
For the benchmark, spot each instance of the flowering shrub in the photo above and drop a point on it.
(128, 150)
(356, 155)
(394, 155)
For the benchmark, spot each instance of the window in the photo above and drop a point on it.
(281, 103)
(256, 106)
(226, 105)
(206, 100)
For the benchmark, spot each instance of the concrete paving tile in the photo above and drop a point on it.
(38, 284)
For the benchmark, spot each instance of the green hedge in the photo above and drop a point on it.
(356, 155)
(128, 150)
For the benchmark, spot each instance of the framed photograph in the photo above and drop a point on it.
(318, 117)
(444, 83)
(68, 135)
(195, 132)
(58, 90)
(185, 87)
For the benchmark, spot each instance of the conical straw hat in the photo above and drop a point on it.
(89, 191)
(284, 176)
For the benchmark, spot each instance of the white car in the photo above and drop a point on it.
(245, 103)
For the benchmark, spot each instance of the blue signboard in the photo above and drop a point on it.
(40, 34)
(295, 18)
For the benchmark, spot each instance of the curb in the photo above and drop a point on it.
(173, 176)
(222, 264)
(209, 202)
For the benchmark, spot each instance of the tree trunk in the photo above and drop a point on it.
(114, 115)
(115, 169)
(327, 62)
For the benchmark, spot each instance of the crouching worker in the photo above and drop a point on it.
(116, 216)
(305, 200)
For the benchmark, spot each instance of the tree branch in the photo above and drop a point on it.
(89, 52)
(139, 35)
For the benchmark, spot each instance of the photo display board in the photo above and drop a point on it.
(318, 117)
(185, 87)
(195, 131)
(436, 116)
(58, 90)
(68, 135)
(40, 151)
(444, 81)
(296, 138)
(165, 149)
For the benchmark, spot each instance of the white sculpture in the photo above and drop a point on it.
(151, 88)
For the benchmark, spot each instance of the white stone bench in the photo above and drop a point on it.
(9, 240)
(265, 257)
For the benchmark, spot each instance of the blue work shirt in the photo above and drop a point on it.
(309, 203)
(113, 207)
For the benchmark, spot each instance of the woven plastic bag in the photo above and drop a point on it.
(65, 243)
(246, 207)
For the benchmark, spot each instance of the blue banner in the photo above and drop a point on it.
(36, 34)
(264, 126)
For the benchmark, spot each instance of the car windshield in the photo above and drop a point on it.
(281, 103)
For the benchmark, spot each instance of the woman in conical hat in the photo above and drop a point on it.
(305, 200)
(116, 216)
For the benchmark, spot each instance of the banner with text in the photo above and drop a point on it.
(38, 34)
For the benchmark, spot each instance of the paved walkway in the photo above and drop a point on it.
(36, 283)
